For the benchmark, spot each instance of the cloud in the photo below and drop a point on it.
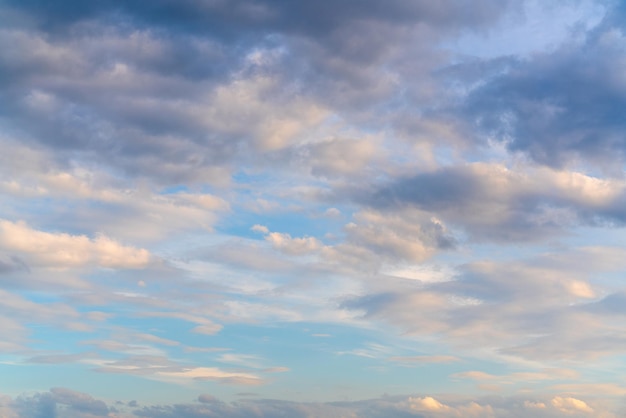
(99, 202)
(206, 398)
(177, 92)
(310, 20)
(570, 405)
(338, 157)
(143, 139)
(9, 264)
(161, 368)
(204, 325)
(60, 358)
(412, 360)
(528, 376)
(293, 246)
(486, 303)
(260, 228)
(17, 311)
(80, 405)
(212, 373)
(79, 401)
(493, 202)
(210, 329)
(60, 250)
(596, 389)
(6, 407)
(559, 108)
(75, 405)
(286, 244)
(377, 236)
(149, 338)
(427, 403)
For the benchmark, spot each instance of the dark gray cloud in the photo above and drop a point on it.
(489, 201)
(177, 91)
(231, 17)
(561, 107)
(10, 264)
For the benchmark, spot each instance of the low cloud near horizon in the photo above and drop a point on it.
(71, 404)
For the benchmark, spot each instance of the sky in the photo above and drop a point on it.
(276, 208)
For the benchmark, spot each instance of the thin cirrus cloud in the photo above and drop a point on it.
(327, 201)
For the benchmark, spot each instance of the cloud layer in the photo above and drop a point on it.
(315, 201)
(80, 405)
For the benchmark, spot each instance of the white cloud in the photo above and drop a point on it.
(332, 212)
(154, 365)
(242, 108)
(375, 238)
(287, 244)
(570, 405)
(260, 228)
(427, 403)
(341, 156)
(293, 246)
(432, 407)
(485, 308)
(62, 250)
(212, 373)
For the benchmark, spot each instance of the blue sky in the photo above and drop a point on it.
(264, 208)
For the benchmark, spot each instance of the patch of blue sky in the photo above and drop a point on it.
(588, 236)
(163, 324)
(346, 353)
(179, 188)
(28, 378)
(315, 222)
(45, 340)
(40, 296)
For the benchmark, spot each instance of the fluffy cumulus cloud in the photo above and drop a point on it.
(194, 192)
